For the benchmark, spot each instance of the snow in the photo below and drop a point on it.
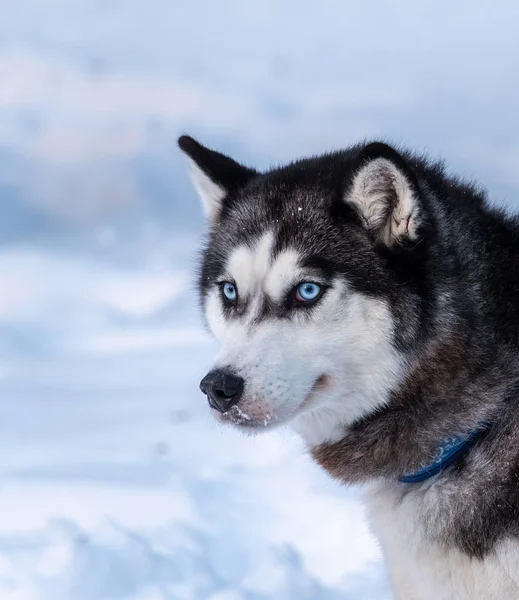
(117, 483)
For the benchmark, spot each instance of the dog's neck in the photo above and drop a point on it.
(434, 403)
(449, 451)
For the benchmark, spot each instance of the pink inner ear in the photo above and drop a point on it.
(210, 193)
(386, 201)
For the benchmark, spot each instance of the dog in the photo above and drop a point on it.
(370, 300)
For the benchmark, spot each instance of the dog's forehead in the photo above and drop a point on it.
(288, 213)
(277, 225)
(260, 263)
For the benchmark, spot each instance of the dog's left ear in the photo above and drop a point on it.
(214, 175)
(384, 193)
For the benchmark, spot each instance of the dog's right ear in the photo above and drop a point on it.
(214, 175)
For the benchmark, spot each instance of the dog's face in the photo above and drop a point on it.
(296, 287)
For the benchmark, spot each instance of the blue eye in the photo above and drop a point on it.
(308, 292)
(229, 292)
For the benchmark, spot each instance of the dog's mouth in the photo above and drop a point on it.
(240, 417)
(320, 384)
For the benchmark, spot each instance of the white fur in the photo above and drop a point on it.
(369, 193)
(262, 256)
(247, 266)
(283, 274)
(214, 314)
(407, 521)
(239, 269)
(345, 338)
(210, 192)
(365, 364)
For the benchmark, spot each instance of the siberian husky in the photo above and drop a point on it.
(370, 301)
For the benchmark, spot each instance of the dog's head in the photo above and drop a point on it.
(302, 282)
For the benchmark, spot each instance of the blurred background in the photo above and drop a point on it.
(115, 483)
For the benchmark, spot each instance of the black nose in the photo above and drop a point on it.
(222, 389)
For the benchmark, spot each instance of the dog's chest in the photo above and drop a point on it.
(421, 569)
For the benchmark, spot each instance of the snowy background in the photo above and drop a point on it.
(115, 483)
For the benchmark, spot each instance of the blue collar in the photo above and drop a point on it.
(448, 452)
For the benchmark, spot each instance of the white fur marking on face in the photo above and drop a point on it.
(353, 341)
(214, 314)
(371, 193)
(346, 338)
(263, 255)
(248, 266)
(240, 268)
(210, 192)
(282, 274)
